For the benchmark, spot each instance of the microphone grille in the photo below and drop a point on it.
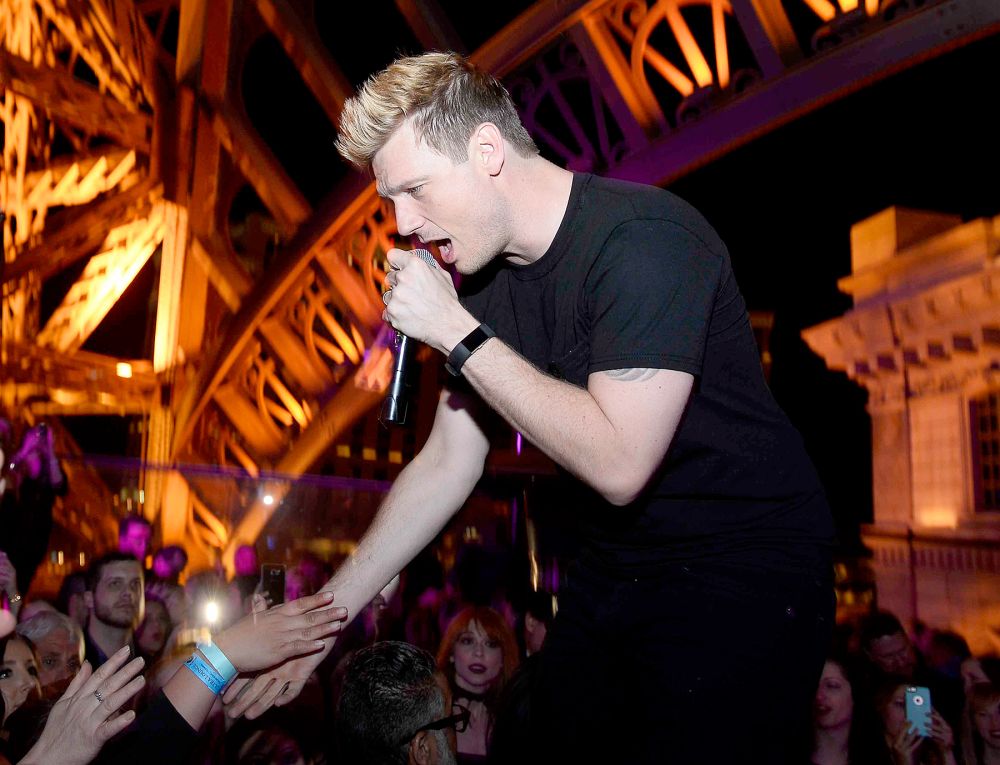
(425, 256)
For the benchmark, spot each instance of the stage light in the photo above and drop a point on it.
(268, 500)
(211, 611)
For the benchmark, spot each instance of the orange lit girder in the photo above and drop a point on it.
(105, 278)
(44, 381)
(77, 232)
(85, 26)
(66, 98)
(77, 180)
(311, 240)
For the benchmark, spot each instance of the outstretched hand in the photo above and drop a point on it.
(286, 638)
(85, 716)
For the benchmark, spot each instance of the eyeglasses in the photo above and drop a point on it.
(459, 720)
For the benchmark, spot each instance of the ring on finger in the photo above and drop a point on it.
(100, 696)
(386, 295)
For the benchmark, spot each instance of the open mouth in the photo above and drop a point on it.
(445, 248)
(477, 668)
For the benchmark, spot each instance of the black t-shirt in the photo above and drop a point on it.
(636, 277)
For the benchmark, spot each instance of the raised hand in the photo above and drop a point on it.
(8, 583)
(296, 633)
(904, 746)
(85, 716)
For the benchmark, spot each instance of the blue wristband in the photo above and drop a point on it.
(219, 660)
(206, 673)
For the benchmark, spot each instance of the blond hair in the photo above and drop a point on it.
(445, 96)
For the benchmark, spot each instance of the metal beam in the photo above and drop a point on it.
(77, 233)
(66, 98)
(318, 69)
(103, 281)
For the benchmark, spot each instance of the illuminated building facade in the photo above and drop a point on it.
(923, 339)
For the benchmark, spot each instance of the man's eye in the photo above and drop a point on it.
(4, 674)
(415, 190)
(48, 661)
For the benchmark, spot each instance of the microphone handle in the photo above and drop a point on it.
(394, 406)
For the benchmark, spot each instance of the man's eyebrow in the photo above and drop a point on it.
(384, 191)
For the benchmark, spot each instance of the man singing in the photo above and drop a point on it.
(602, 320)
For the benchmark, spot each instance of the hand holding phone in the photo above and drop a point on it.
(272, 580)
(918, 709)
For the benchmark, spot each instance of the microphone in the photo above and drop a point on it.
(394, 407)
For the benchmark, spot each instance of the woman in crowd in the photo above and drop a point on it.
(843, 725)
(478, 655)
(21, 692)
(903, 745)
(981, 739)
(156, 627)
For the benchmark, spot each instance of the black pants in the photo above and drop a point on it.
(699, 663)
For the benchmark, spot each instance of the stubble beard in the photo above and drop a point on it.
(107, 615)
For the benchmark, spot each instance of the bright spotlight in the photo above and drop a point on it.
(212, 612)
(268, 499)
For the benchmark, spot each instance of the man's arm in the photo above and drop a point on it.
(427, 493)
(612, 435)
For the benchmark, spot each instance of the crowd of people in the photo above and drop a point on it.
(440, 679)
(861, 713)
(125, 632)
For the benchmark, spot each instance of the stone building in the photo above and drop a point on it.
(923, 338)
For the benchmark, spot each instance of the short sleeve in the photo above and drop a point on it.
(651, 295)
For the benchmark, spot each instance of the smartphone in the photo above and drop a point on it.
(272, 581)
(918, 709)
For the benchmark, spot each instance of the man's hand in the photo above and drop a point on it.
(254, 642)
(423, 303)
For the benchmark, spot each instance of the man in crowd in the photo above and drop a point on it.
(59, 645)
(894, 657)
(116, 601)
(602, 321)
(394, 708)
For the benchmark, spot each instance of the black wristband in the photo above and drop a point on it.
(469, 345)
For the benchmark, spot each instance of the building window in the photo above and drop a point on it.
(985, 422)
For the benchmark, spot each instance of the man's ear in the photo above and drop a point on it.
(88, 600)
(423, 749)
(487, 148)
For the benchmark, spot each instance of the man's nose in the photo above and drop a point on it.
(407, 219)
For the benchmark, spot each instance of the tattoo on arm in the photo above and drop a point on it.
(631, 375)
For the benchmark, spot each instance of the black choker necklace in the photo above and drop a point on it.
(461, 693)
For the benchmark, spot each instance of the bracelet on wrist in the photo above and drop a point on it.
(219, 660)
(471, 343)
(206, 673)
